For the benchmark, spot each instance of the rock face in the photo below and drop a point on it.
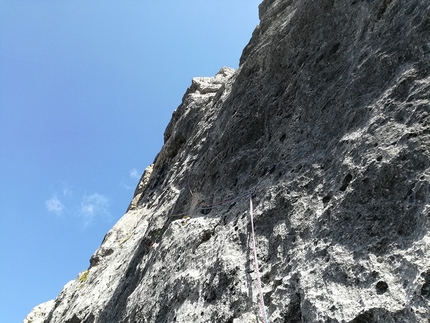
(327, 124)
(40, 312)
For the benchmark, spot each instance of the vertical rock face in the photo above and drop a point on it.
(327, 124)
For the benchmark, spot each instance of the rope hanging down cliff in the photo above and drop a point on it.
(257, 272)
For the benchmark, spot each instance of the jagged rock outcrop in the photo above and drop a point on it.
(326, 124)
(40, 312)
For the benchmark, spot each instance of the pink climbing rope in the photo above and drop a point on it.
(257, 272)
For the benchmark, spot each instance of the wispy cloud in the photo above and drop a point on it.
(67, 191)
(94, 205)
(71, 202)
(127, 187)
(54, 205)
(134, 174)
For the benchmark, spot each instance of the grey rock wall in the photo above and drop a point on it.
(326, 124)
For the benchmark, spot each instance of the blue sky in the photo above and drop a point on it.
(86, 91)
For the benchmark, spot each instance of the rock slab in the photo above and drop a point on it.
(326, 125)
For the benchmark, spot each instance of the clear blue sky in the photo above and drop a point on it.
(86, 91)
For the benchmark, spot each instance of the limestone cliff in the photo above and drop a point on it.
(327, 124)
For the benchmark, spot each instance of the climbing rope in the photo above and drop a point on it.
(257, 272)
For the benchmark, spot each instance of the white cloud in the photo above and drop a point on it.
(94, 205)
(67, 191)
(134, 174)
(54, 205)
(128, 187)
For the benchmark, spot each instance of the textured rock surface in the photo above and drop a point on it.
(326, 123)
(39, 313)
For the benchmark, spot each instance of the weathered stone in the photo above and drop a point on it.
(326, 125)
(143, 183)
(39, 313)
